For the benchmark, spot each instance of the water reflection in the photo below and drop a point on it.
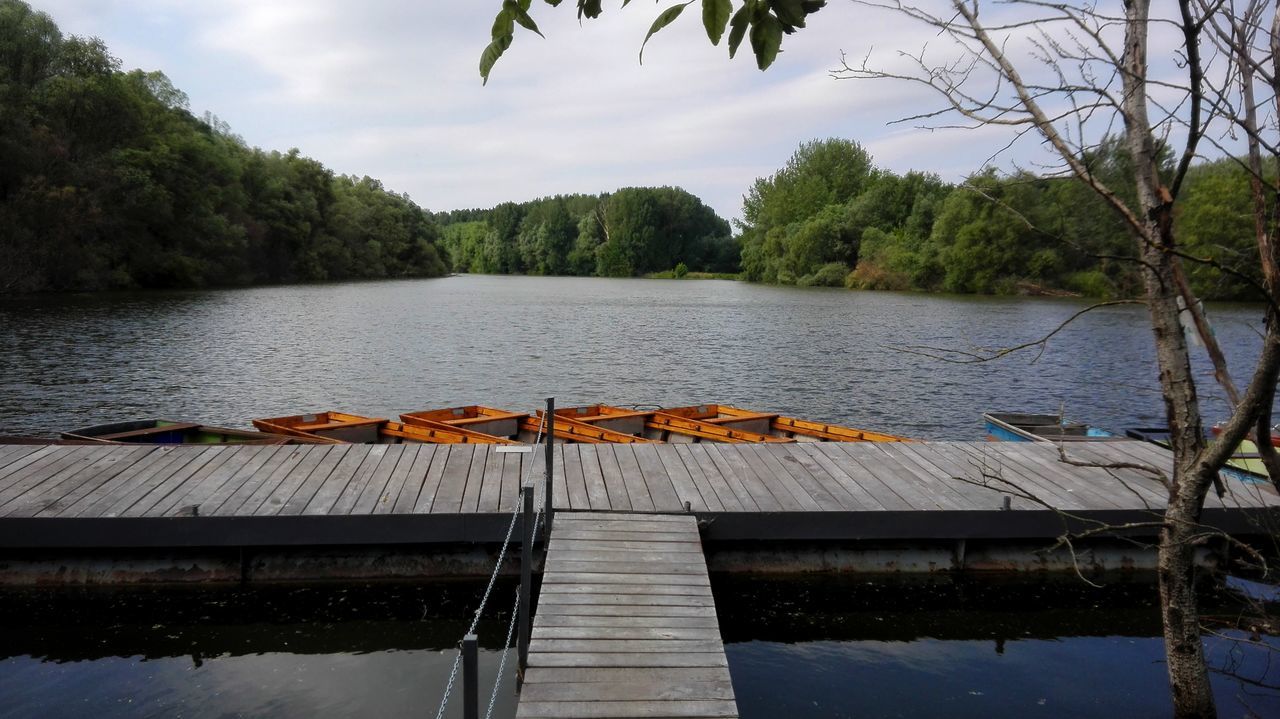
(854, 647)
(372, 650)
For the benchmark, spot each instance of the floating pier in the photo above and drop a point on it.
(626, 624)
(185, 496)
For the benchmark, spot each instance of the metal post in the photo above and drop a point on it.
(551, 443)
(526, 575)
(470, 678)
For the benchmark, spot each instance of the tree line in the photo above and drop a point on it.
(831, 218)
(108, 181)
(633, 231)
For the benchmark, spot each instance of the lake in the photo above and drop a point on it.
(382, 348)
(829, 647)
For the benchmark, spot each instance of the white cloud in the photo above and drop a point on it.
(390, 89)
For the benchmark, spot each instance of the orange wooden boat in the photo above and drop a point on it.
(345, 427)
(777, 425)
(518, 426)
(661, 426)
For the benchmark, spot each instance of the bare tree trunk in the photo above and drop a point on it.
(1188, 675)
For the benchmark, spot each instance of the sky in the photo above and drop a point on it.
(391, 89)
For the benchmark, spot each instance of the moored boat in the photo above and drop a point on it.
(345, 427)
(1025, 427)
(522, 427)
(1244, 464)
(168, 431)
(777, 425)
(660, 426)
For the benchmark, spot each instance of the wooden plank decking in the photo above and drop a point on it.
(625, 624)
(323, 494)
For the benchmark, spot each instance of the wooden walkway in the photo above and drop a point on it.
(62, 496)
(625, 624)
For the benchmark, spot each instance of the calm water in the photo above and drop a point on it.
(797, 649)
(388, 347)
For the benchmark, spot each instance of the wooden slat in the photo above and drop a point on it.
(158, 461)
(612, 472)
(78, 477)
(794, 475)
(453, 480)
(377, 483)
(946, 464)
(346, 499)
(248, 496)
(424, 474)
(331, 473)
(903, 470)
(637, 490)
(319, 494)
(272, 498)
(236, 468)
(853, 496)
(575, 482)
(710, 481)
(491, 483)
(161, 497)
(888, 496)
(745, 484)
(660, 483)
(474, 480)
(209, 501)
(593, 477)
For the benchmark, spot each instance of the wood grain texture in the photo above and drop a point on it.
(625, 626)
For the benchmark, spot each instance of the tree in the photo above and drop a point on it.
(1084, 72)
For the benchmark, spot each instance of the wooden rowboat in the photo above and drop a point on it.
(777, 425)
(168, 431)
(1023, 427)
(345, 427)
(522, 427)
(661, 426)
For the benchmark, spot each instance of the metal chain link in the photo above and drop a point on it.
(493, 578)
(506, 650)
(448, 689)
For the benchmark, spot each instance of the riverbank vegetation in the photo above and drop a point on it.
(831, 218)
(107, 180)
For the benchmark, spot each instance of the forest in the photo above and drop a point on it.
(107, 181)
(634, 231)
(831, 218)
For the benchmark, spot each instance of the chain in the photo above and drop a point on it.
(493, 579)
(506, 649)
(448, 689)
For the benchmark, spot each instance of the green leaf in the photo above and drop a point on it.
(589, 8)
(738, 28)
(491, 55)
(552, 3)
(715, 16)
(667, 17)
(527, 22)
(790, 12)
(766, 38)
(503, 24)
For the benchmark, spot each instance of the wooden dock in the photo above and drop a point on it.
(625, 624)
(190, 496)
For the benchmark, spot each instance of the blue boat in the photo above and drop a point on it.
(1024, 427)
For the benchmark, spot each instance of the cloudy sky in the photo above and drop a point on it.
(390, 89)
